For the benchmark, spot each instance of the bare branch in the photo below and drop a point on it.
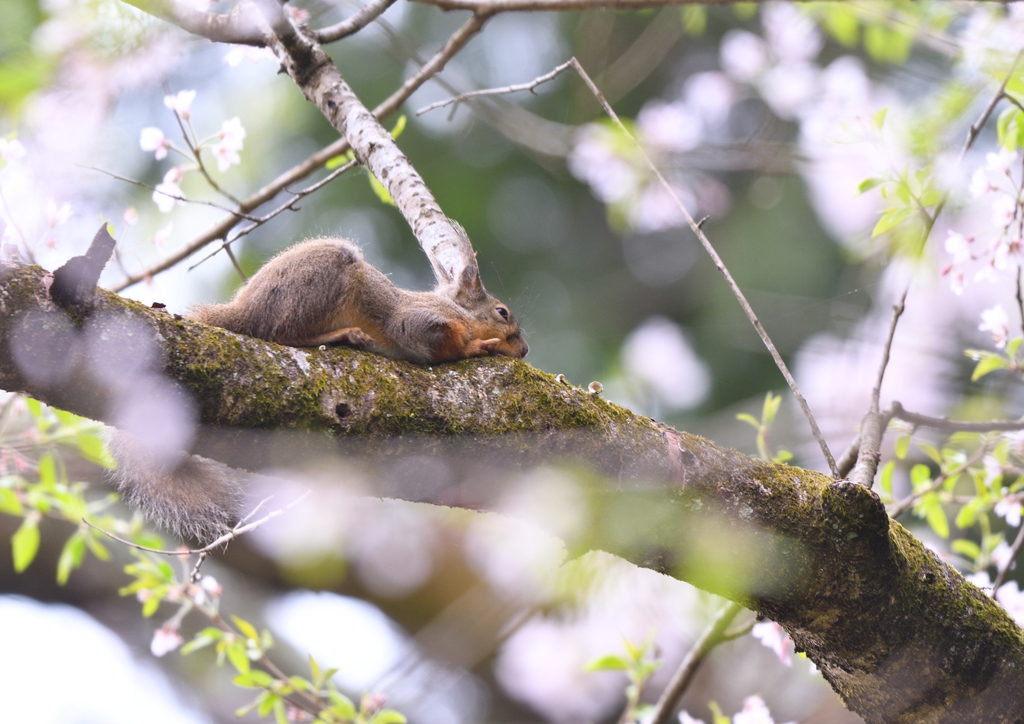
(720, 265)
(241, 27)
(316, 161)
(366, 15)
(494, 7)
(1004, 569)
(712, 637)
(499, 91)
(873, 425)
(947, 425)
(288, 205)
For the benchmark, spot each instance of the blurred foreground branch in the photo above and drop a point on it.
(898, 634)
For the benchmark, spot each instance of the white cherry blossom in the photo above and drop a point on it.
(181, 103)
(996, 322)
(153, 139)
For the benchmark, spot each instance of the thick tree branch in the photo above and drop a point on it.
(898, 634)
(241, 27)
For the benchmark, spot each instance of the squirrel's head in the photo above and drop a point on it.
(491, 317)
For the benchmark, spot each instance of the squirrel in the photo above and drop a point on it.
(316, 292)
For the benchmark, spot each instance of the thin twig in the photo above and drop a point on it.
(848, 459)
(226, 538)
(194, 150)
(898, 508)
(873, 425)
(221, 229)
(720, 265)
(499, 91)
(363, 17)
(714, 635)
(1003, 569)
(1020, 296)
(297, 196)
(238, 213)
(947, 425)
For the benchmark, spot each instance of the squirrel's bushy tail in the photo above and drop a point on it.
(191, 496)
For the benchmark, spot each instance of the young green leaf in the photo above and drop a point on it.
(25, 543)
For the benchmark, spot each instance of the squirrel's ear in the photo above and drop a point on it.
(470, 286)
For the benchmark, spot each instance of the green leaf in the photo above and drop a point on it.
(930, 452)
(902, 444)
(35, 407)
(694, 19)
(749, 419)
(399, 127)
(70, 557)
(842, 24)
(378, 188)
(47, 469)
(247, 629)
(339, 161)
(25, 543)
(885, 479)
(9, 502)
(94, 449)
(878, 119)
(202, 639)
(341, 705)
(890, 219)
(1012, 346)
(920, 475)
(254, 679)
(719, 717)
(610, 662)
(387, 716)
(936, 517)
(236, 655)
(869, 183)
(314, 669)
(967, 548)
(150, 605)
(744, 11)
(989, 362)
(280, 712)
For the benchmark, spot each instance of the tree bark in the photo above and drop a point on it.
(900, 635)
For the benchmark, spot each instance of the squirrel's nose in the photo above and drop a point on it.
(526, 350)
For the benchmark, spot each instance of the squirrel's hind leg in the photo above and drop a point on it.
(348, 336)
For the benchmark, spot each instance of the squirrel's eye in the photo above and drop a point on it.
(503, 312)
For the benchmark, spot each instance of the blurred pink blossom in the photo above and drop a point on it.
(153, 139)
(743, 55)
(11, 149)
(226, 150)
(165, 640)
(790, 32)
(1009, 509)
(996, 322)
(164, 192)
(1012, 599)
(774, 637)
(181, 103)
(669, 126)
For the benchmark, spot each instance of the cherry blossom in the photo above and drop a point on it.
(1004, 209)
(55, 216)
(164, 192)
(774, 637)
(161, 236)
(669, 126)
(959, 246)
(226, 150)
(743, 55)
(165, 639)
(153, 139)
(1009, 509)
(131, 216)
(996, 322)
(754, 711)
(1011, 598)
(181, 103)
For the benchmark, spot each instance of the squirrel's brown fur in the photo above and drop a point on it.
(317, 292)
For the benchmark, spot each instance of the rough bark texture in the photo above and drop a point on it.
(899, 635)
(447, 247)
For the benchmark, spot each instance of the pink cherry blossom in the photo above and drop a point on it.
(153, 139)
(743, 55)
(165, 640)
(181, 103)
(1004, 209)
(996, 322)
(669, 126)
(56, 216)
(131, 216)
(1012, 599)
(980, 183)
(772, 635)
(164, 192)
(226, 150)
(959, 246)
(161, 236)
(1009, 509)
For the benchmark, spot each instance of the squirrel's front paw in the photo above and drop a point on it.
(355, 337)
(481, 347)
